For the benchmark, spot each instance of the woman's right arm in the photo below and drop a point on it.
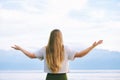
(27, 53)
(87, 50)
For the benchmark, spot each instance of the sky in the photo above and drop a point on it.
(28, 23)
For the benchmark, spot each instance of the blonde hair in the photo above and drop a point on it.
(55, 51)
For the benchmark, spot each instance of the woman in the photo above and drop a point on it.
(56, 55)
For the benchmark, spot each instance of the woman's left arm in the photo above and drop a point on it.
(87, 50)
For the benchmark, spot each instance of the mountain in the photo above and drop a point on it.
(96, 59)
(15, 60)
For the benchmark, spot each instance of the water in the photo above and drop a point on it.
(73, 75)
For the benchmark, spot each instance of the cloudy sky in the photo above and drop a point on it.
(29, 22)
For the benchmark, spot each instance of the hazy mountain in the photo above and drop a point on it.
(96, 59)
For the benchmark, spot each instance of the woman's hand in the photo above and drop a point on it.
(97, 43)
(16, 47)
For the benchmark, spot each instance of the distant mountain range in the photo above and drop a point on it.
(96, 59)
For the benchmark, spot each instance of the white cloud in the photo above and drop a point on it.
(97, 14)
(64, 6)
(56, 10)
(25, 25)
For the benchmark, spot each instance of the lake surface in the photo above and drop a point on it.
(73, 75)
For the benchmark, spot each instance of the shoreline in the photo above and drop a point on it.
(71, 71)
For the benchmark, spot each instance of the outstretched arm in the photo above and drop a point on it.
(87, 50)
(27, 53)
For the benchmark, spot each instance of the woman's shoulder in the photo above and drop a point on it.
(41, 49)
(67, 48)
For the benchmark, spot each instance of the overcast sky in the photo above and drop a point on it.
(29, 22)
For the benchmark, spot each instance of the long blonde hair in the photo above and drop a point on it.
(55, 51)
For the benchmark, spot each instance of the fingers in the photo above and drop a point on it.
(15, 47)
(100, 41)
(97, 43)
